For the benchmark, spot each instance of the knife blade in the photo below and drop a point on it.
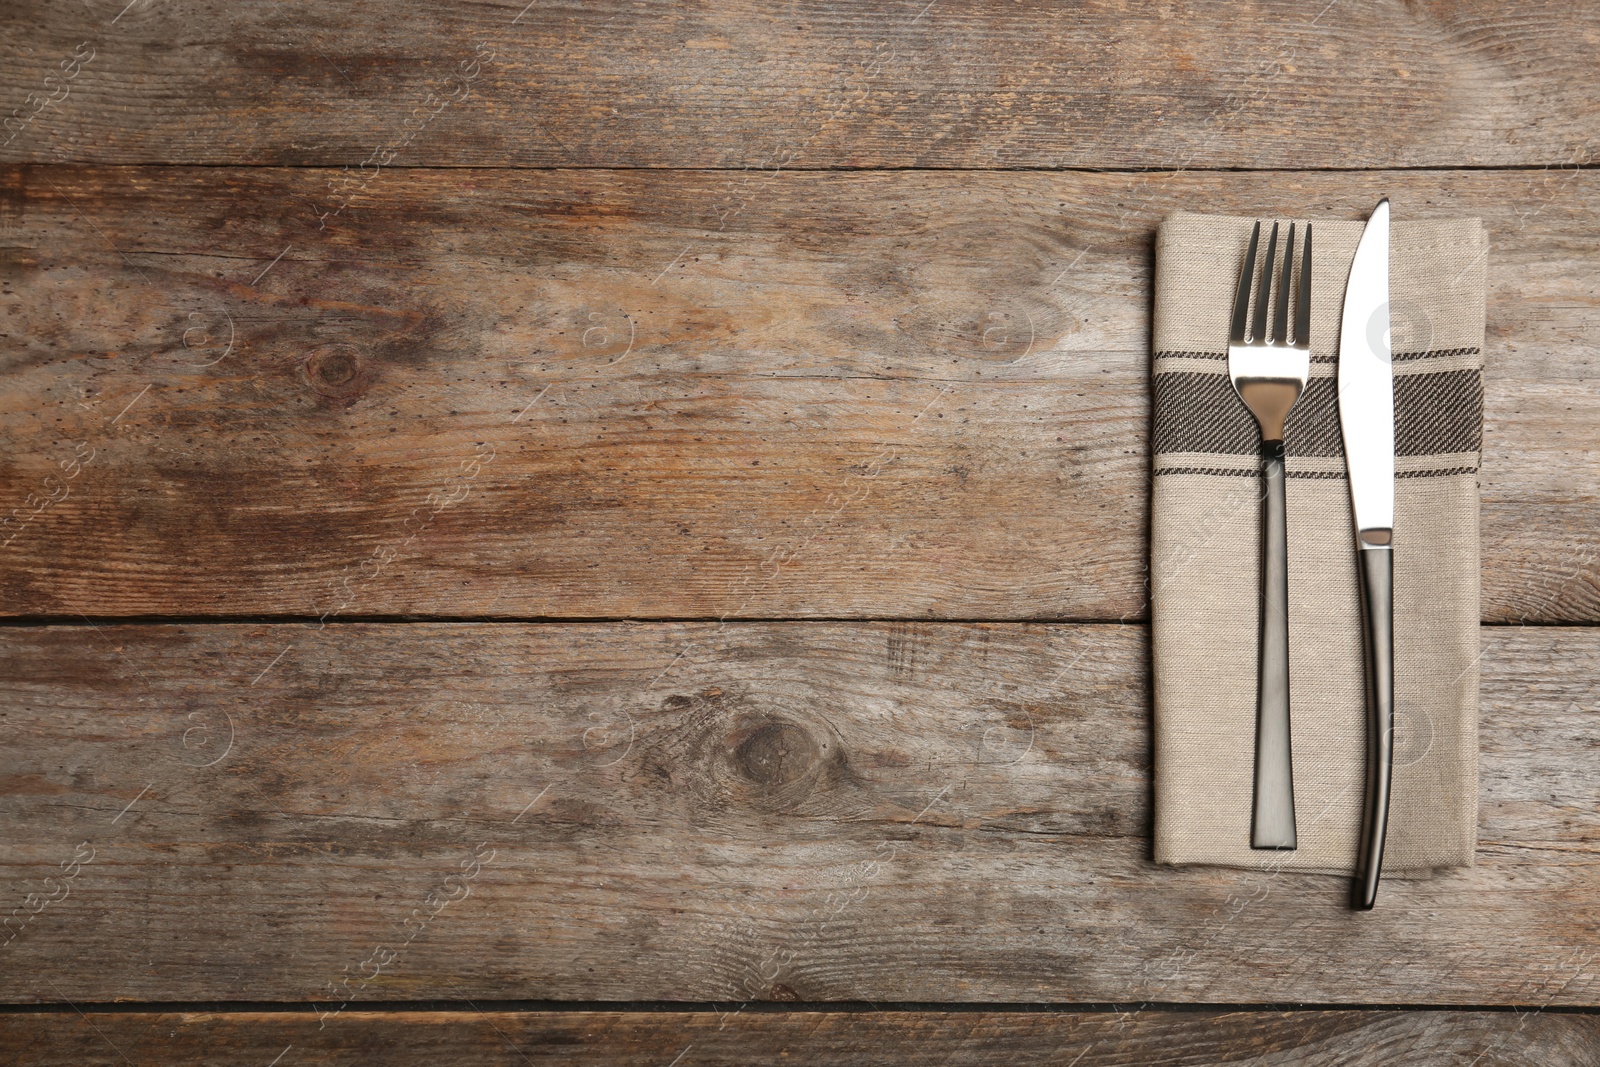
(1366, 421)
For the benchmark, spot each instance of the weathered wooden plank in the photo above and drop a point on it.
(571, 394)
(650, 1039)
(815, 811)
(823, 83)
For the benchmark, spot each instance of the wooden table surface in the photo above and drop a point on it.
(616, 532)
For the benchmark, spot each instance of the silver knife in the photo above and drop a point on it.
(1366, 417)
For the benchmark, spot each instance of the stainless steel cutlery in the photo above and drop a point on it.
(1269, 367)
(1366, 419)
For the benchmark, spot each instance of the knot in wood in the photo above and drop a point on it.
(777, 753)
(336, 371)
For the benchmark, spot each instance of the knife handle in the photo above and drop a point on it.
(1272, 822)
(1377, 609)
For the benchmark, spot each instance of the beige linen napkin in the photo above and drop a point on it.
(1205, 556)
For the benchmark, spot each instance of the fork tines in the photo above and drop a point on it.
(1256, 332)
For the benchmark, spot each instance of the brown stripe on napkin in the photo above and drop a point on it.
(1205, 556)
(1435, 414)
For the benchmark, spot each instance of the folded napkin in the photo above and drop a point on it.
(1205, 557)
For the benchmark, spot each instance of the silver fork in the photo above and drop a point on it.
(1269, 368)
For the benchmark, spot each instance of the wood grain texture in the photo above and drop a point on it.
(718, 812)
(677, 395)
(953, 83)
(843, 1039)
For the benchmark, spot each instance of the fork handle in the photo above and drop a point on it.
(1272, 823)
(1377, 610)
